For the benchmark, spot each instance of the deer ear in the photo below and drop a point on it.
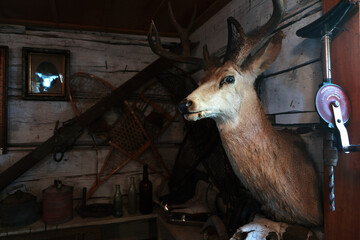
(265, 56)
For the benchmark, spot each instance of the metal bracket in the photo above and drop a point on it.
(344, 136)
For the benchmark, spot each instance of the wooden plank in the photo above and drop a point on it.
(295, 6)
(78, 168)
(4, 58)
(345, 52)
(296, 50)
(32, 122)
(77, 222)
(295, 75)
(79, 162)
(28, 161)
(297, 118)
(114, 59)
(291, 91)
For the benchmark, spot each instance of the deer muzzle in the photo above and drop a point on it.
(184, 106)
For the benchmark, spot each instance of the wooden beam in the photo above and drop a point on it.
(4, 54)
(107, 7)
(54, 11)
(344, 222)
(70, 26)
(55, 22)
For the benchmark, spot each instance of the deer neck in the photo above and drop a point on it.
(246, 137)
(249, 120)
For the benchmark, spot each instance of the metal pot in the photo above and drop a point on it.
(18, 209)
(57, 203)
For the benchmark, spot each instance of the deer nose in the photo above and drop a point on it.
(184, 106)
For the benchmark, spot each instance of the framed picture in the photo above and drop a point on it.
(46, 72)
(4, 57)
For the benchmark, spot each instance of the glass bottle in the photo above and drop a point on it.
(118, 202)
(132, 197)
(145, 190)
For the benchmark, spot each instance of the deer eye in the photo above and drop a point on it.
(227, 79)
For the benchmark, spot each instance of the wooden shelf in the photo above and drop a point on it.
(170, 231)
(77, 221)
(165, 230)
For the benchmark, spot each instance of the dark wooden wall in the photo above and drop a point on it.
(113, 57)
(345, 55)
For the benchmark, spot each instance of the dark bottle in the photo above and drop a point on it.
(83, 200)
(145, 189)
(118, 202)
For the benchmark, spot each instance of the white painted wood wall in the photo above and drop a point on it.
(289, 87)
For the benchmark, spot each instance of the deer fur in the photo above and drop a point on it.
(273, 165)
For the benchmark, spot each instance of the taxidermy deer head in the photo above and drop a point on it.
(271, 164)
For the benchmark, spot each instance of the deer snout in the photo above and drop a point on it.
(184, 106)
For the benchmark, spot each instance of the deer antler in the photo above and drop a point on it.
(240, 45)
(184, 57)
(183, 32)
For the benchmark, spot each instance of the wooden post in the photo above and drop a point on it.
(345, 61)
(4, 55)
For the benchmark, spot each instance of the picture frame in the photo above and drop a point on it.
(46, 72)
(4, 62)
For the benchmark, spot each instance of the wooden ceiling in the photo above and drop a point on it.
(120, 16)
